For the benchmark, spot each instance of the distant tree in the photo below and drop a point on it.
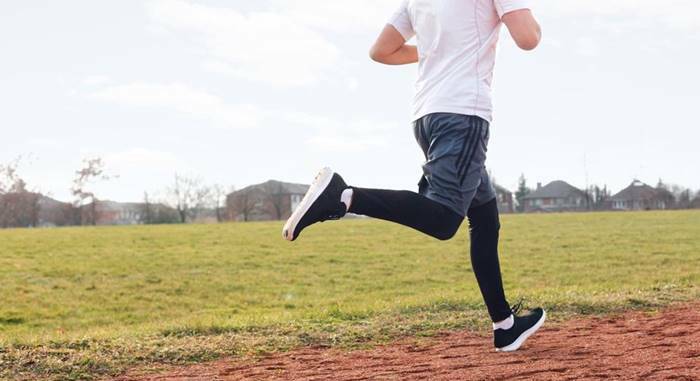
(189, 197)
(92, 171)
(65, 214)
(165, 215)
(153, 212)
(218, 198)
(684, 199)
(521, 193)
(598, 197)
(682, 196)
(242, 204)
(19, 207)
(274, 199)
(146, 210)
(9, 179)
(695, 204)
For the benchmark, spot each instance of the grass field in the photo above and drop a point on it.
(81, 303)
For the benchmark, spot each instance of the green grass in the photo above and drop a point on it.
(81, 303)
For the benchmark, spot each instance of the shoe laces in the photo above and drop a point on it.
(517, 307)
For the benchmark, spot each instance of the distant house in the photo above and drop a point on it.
(272, 200)
(640, 196)
(504, 198)
(557, 196)
(118, 213)
(136, 213)
(124, 213)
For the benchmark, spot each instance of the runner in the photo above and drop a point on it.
(456, 54)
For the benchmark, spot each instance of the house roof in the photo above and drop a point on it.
(292, 188)
(43, 201)
(49, 203)
(639, 191)
(280, 186)
(556, 189)
(500, 189)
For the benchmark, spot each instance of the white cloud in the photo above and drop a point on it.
(356, 16)
(265, 47)
(142, 158)
(352, 83)
(183, 99)
(361, 16)
(587, 47)
(136, 169)
(331, 142)
(319, 122)
(342, 135)
(329, 132)
(44, 143)
(681, 14)
(96, 80)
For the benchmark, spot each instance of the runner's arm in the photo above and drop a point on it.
(391, 48)
(523, 28)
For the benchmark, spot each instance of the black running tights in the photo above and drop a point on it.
(437, 220)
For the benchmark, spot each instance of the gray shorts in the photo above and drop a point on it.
(454, 173)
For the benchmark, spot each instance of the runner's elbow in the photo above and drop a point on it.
(376, 55)
(528, 42)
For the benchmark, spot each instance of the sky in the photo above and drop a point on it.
(239, 92)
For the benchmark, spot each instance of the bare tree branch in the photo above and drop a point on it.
(189, 197)
(275, 199)
(218, 198)
(242, 204)
(93, 170)
(19, 206)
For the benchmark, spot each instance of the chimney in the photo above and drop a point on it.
(539, 185)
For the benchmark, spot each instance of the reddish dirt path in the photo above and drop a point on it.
(637, 346)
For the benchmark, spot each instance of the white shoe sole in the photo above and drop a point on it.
(319, 185)
(525, 335)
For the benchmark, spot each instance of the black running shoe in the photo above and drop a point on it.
(321, 203)
(524, 326)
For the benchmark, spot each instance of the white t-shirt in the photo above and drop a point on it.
(457, 52)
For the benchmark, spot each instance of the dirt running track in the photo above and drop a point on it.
(634, 346)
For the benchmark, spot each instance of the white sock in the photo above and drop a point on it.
(346, 198)
(504, 324)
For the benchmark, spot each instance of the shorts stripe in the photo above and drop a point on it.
(465, 148)
(463, 167)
